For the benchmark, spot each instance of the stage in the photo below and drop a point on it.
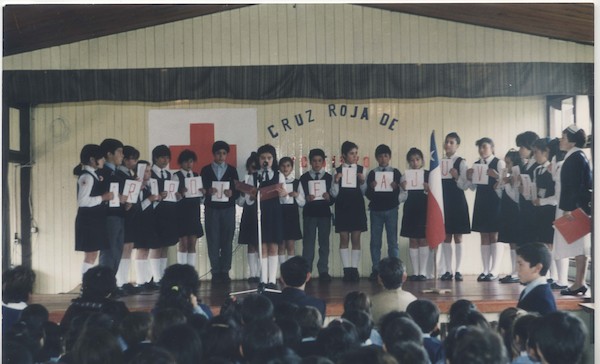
(489, 297)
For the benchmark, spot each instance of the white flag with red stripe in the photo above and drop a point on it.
(435, 231)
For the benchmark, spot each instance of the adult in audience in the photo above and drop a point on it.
(392, 274)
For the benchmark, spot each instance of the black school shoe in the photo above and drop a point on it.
(447, 276)
(458, 277)
(509, 279)
(254, 280)
(324, 277)
(490, 277)
(347, 275)
(481, 277)
(130, 289)
(555, 285)
(355, 275)
(373, 277)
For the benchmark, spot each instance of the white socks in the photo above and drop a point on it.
(273, 266)
(264, 271)
(458, 256)
(155, 269)
(497, 252)
(123, 272)
(282, 258)
(142, 271)
(345, 255)
(485, 258)
(562, 271)
(423, 260)
(253, 264)
(181, 257)
(430, 264)
(163, 266)
(414, 260)
(191, 259)
(513, 260)
(85, 266)
(447, 256)
(355, 257)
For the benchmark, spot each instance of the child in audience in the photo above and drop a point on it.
(505, 327)
(520, 337)
(560, 338)
(426, 314)
(533, 260)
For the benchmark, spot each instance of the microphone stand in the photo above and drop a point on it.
(261, 288)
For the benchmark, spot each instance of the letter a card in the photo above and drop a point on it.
(384, 181)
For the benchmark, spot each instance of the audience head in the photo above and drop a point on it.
(278, 355)
(260, 336)
(362, 322)
(154, 355)
(367, 355)
(458, 313)
(409, 352)
(17, 284)
(399, 330)
(390, 316)
(520, 331)
(256, 307)
(183, 342)
(98, 283)
(97, 346)
(284, 310)
(505, 325)
(338, 338)
(425, 314)
(533, 261)
(295, 272)
(475, 345)
(165, 318)
(222, 338)
(357, 300)
(560, 338)
(179, 283)
(392, 272)
(310, 320)
(136, 327)
(291, 332)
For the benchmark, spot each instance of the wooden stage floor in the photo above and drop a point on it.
(489, 297)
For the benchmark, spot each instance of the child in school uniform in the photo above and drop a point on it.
(414, 218)
(219, 217)
(166, 213)
(188, 210)
(146, 235)
(127, 168)
(533, 260)
(115, 222)
(248, 234)
(316, 212)
(383, 209)
(456, 210)
(291, 215)
(350, 214)
(510, 220)
(486, 212)
(271, 213)
(90, 223)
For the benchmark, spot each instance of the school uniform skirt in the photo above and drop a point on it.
(167, 224)
(544, 216)
(486, 212)
(350, 212)
(188, 211)
(510, 221)
(291, 222)
(414, 216)
(248, 226)
(456, 209)
(90, 229)
(146, 231)
(527, 228)
(271, 221)
(130, 230)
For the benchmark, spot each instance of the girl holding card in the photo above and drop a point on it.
(486, 213)
(510, 219)
(414, 216)
(575, 193)
(350, 216)
(188, 208)
(271, 212)
(146, 235)
(249, 223)
(456, 210)
(291, 215)
(90, 224)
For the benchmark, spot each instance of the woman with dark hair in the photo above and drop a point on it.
(575, 192)
(179, 289)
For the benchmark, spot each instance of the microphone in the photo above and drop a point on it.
(265, 165)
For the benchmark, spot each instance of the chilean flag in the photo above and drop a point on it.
(435, 231)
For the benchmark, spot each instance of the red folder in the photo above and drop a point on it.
(270, 192)
(244, 187)
(574, 228)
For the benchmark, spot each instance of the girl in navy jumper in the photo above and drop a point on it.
(90, 223)
(350, 214)
(291, 215)
(271, 213)
(414, 218)
(486, 212)
(249, 223)
(188, 211)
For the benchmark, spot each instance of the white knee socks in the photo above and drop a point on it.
(191, 259)
(123, 272)
(253, 264)
(513, 260)
(414, 260)
(485, 258)
(142, 271)
(345, 255)
(273, 265)
(562, 271)
(155, 269)
(447, 256)
(264, 273)
(181, 258)
(423, 259)
(85, 266)
(356, 253)
(163, 266)
(458, 256)
(497, 252)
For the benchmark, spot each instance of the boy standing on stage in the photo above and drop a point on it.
(219, 216)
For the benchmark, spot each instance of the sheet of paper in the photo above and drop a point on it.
(141, 170)
(516, 171)
(415, 179)
(445, 167)
(193, 186)
(384, 181)
(317, 189)
(220, 186)
(349, 177)
(154, 186)
(132, 190)
(171, 188)
(480, 174)
(526, 182)
(289, 187)
(114, 188)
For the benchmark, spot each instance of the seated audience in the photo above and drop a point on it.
(310, 321)
(368, 355)
(533, 261)
(183, 342)
(291, 332)
(154, 355)
(458, 313)
(357, 300)
(165, 318)
(409, 353)
(505, 328)
(560, 338)
(222, 339)
(363, 323)
(426, 315)
(520, 337)
(17, 287)
(391, 275)
(136, 330)
(256, 307)
(179, 289)
(397, 330)
(475, 345)
(97, 346)
(337, 339)
(260, 337)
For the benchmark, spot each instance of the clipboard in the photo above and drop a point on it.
(576, 228)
